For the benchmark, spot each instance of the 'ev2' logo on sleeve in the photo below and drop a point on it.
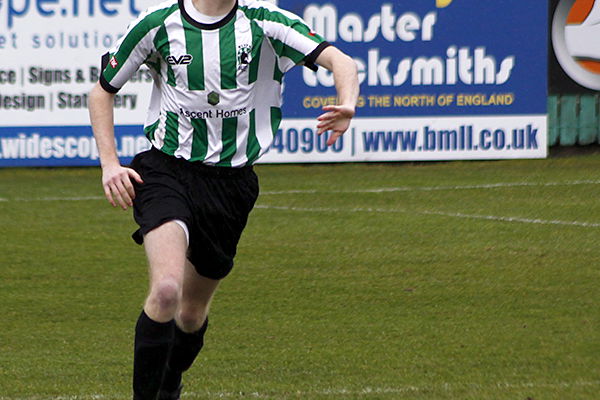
(181, 60)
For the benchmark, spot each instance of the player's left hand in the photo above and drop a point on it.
(336, 119)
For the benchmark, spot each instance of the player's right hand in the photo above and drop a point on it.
(116, 181)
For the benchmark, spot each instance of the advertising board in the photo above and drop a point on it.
(440, 80)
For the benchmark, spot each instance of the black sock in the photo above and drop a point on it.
(153, 341)
(186, 347)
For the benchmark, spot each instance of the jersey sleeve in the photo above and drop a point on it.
(129, 53)
(292, 39)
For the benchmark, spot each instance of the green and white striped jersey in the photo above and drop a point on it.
(217, 88)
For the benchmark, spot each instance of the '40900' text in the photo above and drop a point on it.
(306, 140)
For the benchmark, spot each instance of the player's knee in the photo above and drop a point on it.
(166, 294)
(192, 318)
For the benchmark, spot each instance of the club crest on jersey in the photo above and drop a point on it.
(244, 56)
(213, 98)
(181, 60)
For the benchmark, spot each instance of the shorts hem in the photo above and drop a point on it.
(138, 235)
(214, 276)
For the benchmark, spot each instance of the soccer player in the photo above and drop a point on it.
(217, 67)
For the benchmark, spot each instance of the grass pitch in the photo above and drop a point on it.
(461, 280)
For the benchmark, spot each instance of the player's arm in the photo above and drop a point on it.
(118, 66)
(116, 180)
(337, 118)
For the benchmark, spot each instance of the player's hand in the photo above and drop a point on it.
(336, 119)
(116, 181)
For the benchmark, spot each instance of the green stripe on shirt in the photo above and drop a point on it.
(228, 53)
(275, 119)
(257, 39)
(253, 147)
(150, 129)
(161, 43)
(199, 140)
(171, 142)
(228, 136)
(193, 44)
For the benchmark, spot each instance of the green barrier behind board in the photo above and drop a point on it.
(573, 120)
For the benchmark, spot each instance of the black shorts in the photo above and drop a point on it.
(214, 203)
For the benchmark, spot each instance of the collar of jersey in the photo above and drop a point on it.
(216, 25)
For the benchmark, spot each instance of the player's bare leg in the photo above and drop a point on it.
(166, 248)
(195, 302)
(191, 324)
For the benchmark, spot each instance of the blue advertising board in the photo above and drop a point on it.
(446, 79)
(412, 56)
(440, 80)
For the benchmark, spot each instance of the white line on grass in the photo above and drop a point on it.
(513, 219)
(429, 212)
(336, 393)
(435, 188)
(82, 198)
(349, 191)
